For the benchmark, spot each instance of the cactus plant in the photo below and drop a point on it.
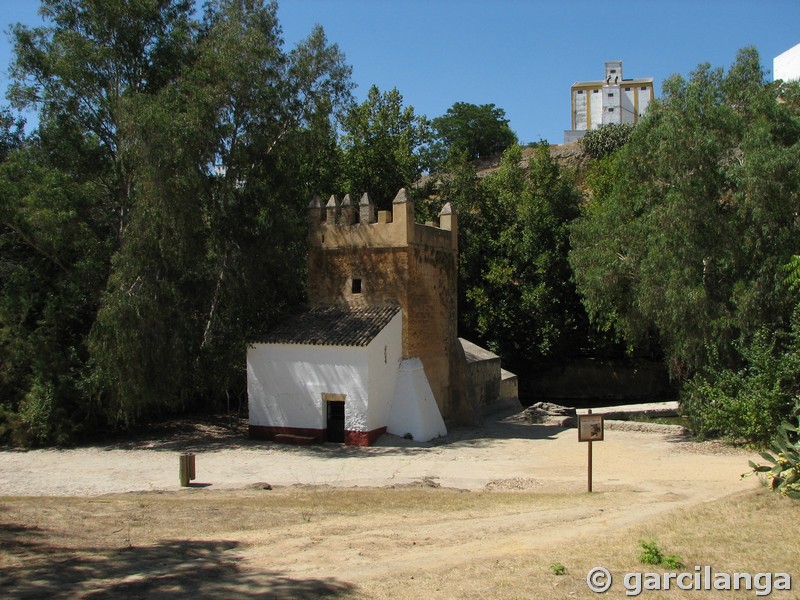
(783, 470)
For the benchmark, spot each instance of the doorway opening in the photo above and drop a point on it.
(335, 426)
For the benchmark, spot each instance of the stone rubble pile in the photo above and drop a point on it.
(547, 413)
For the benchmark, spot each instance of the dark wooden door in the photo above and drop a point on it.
(335, 431)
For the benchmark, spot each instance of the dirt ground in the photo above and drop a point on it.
(338, 521)
(506, 453)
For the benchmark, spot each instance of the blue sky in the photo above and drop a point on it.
(523, 56)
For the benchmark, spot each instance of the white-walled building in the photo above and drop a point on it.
(611, 100)
(301, 375)
(376, 350)
(786, 66)
(336, 374)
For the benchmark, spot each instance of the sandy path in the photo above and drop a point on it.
(504, 454)
(399, 554)
(643, 475)
(376, 550)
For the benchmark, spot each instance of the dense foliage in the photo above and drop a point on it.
(683, 244)
(750, 400)
(383, 146)
(472, 131)
(155, 219)
(516, 292)
(605, 140)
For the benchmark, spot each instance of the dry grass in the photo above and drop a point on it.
(753, 532)
(252, 543)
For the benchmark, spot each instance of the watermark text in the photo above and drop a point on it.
(704, 578)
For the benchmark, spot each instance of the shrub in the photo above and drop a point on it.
(599, 143)
(749, 402)
(784, 468)
(651, 554)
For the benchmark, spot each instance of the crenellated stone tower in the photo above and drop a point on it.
(356, 260)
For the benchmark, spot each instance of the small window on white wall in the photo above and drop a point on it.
(356, 287)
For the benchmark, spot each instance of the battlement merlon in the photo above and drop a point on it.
(395, 228)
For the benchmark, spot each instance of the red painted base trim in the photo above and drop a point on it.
(363, 438)
(304, 435)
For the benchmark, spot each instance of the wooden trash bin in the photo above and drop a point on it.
(186, 469)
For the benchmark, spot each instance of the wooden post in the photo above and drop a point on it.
(187, 472)
(590, 429)
(590, 459)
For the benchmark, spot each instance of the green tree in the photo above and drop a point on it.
(164, 222)
(69, 193)
(382, 146)
(599, 143)
(683, 242)
(79, 71)
(474, 131)
(748, 401)
(54, 257)
(517, 293)
(12, 132)
(237, 109)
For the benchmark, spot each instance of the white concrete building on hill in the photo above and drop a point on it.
(786, 66)
(611, 100)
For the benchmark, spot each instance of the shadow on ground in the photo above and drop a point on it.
(213, 434)
(31, 567)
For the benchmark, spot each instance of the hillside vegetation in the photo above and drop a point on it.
(154, 219)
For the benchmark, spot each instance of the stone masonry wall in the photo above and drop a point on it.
(395, 261)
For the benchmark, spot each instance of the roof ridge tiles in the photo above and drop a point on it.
(332, 326)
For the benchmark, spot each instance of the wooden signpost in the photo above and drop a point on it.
(590, 429)
(186, 470)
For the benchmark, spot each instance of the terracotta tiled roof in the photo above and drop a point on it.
(332, 326)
